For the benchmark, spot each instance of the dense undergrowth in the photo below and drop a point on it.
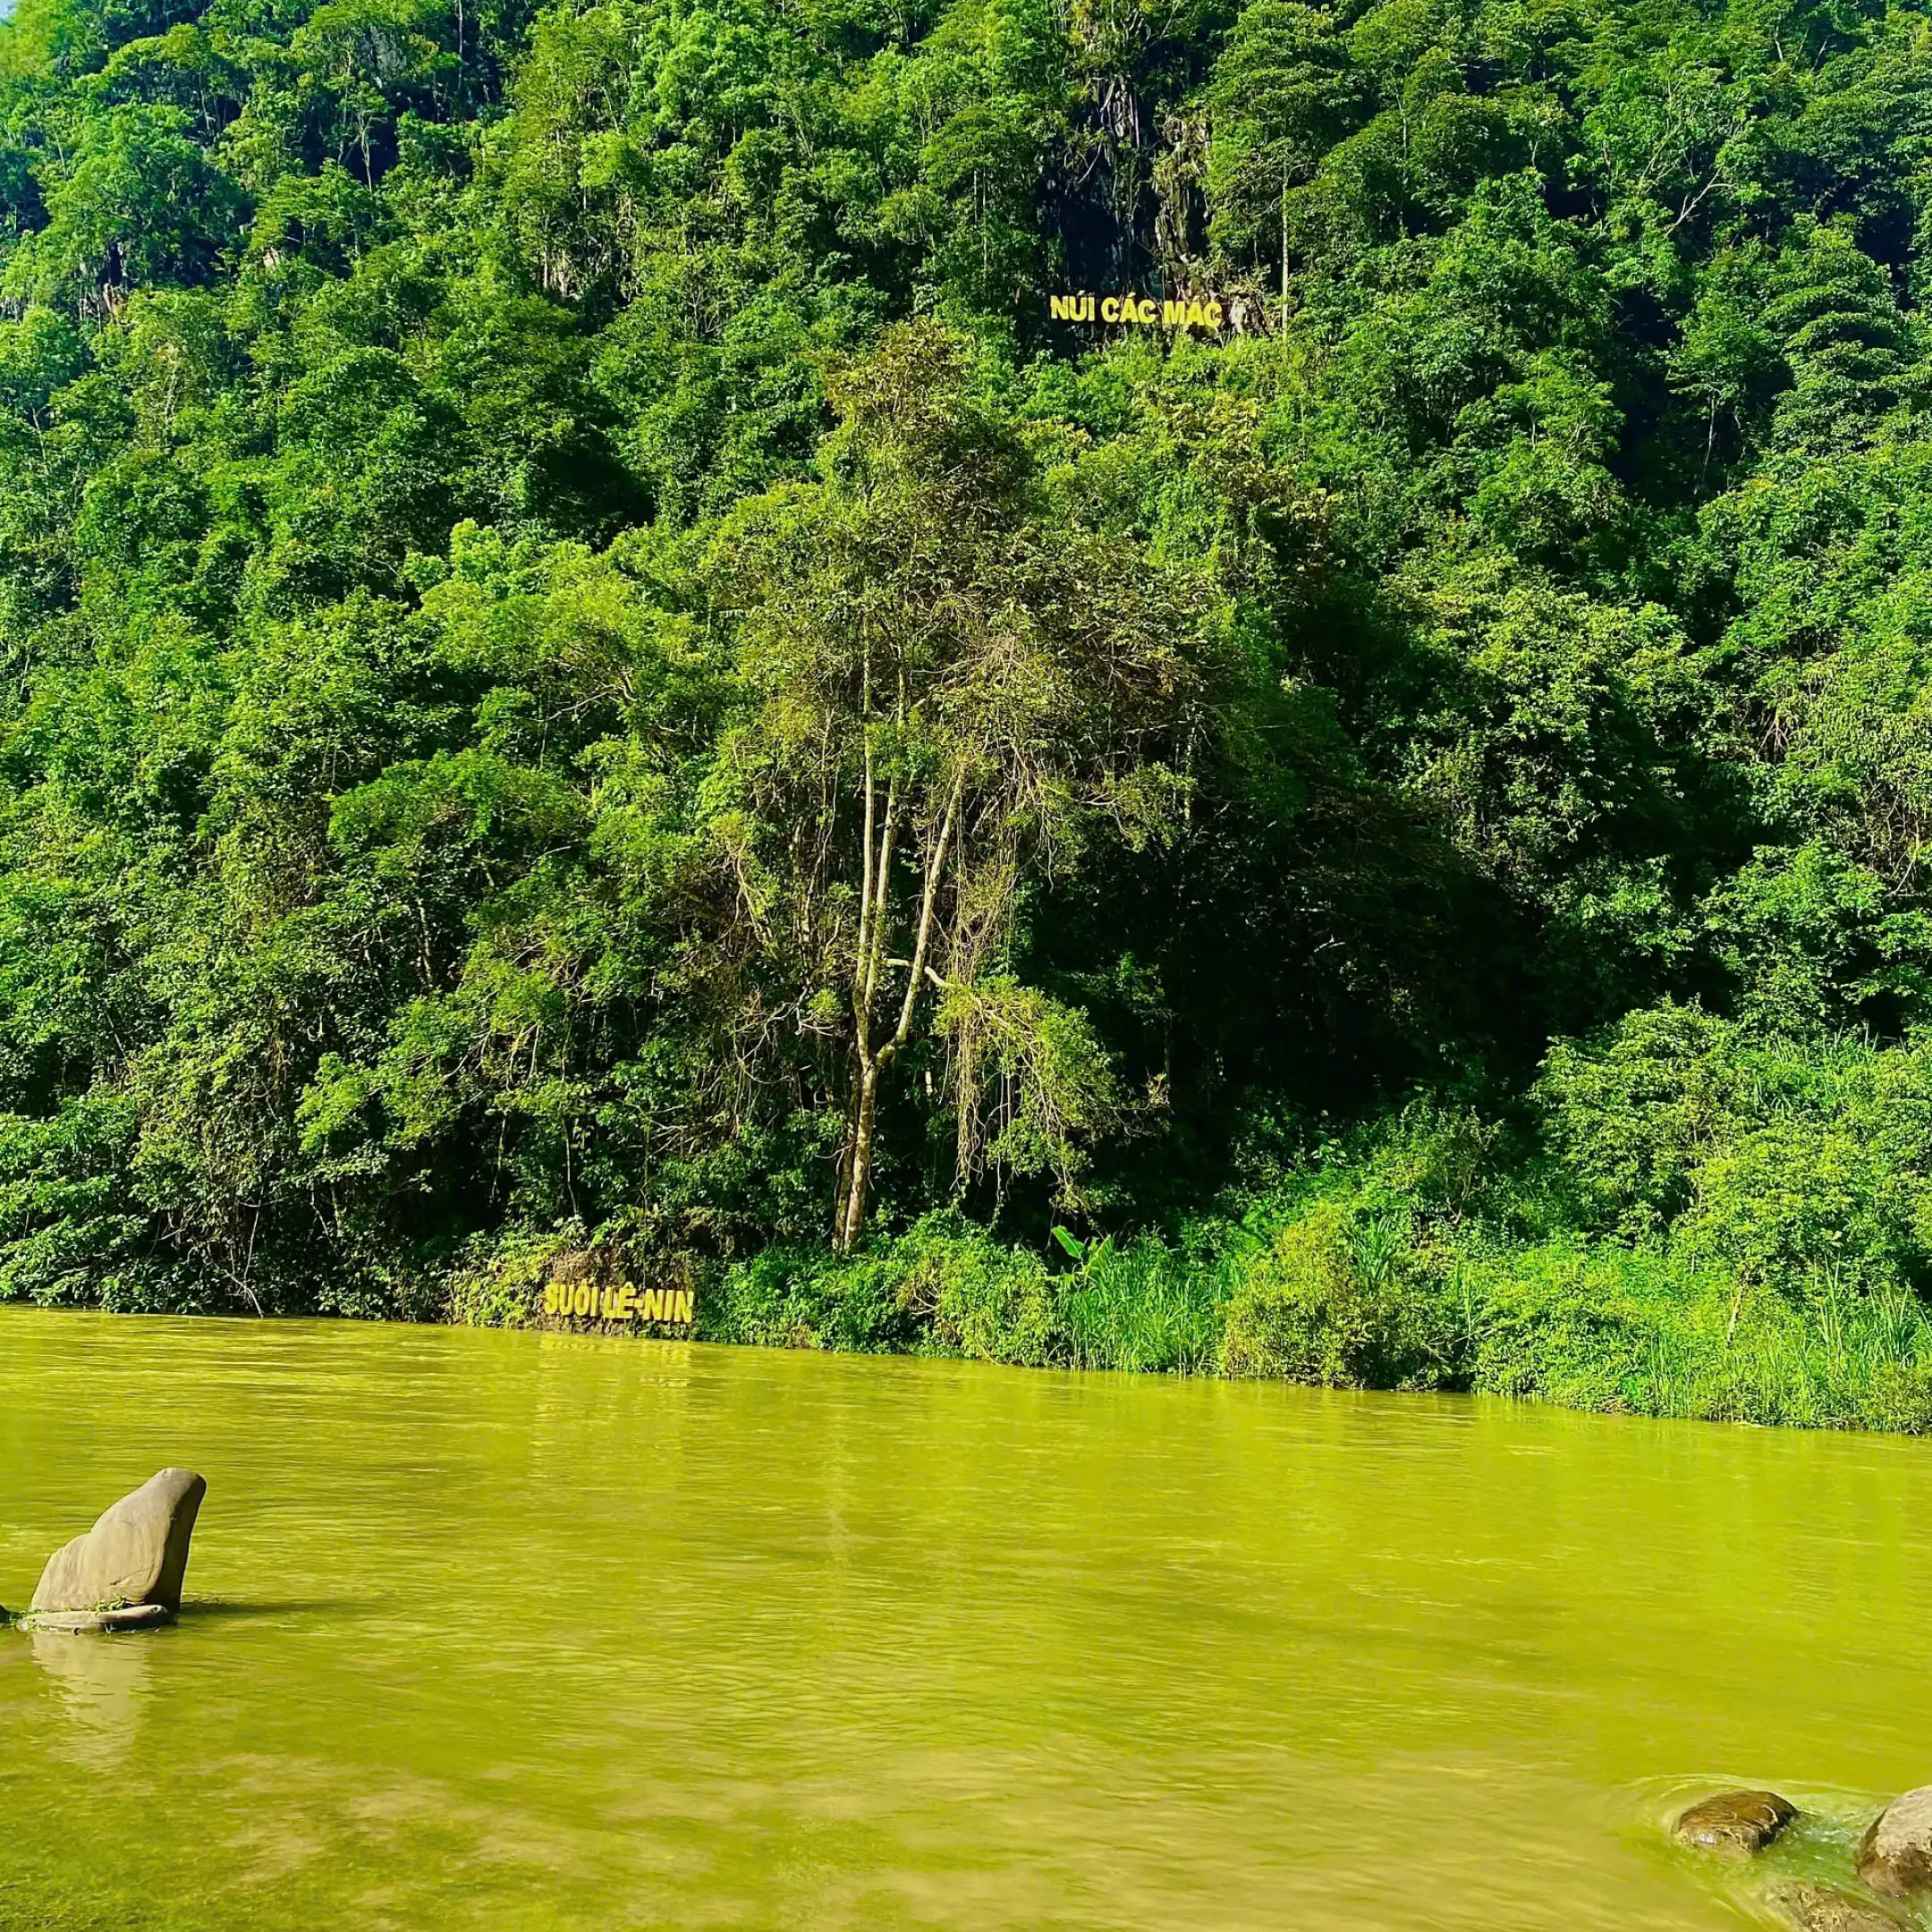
(586, 668)
(1701, 1223)
(1342, 1298)
(1410, 1264)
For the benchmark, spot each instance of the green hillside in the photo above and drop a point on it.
(585, 664)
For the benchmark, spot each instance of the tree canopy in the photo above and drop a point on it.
(578, 647)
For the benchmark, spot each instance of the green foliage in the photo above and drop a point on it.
(1798, 1165)
(582, 661)
(1143, 1305)
(1643, 1333)
(1400, 1262)
(947, 1286)
(1338, 1304)
(865, 1302)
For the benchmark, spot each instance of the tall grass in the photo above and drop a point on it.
(1349, 1295)
(1144, 1307)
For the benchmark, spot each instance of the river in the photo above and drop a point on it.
(542, 1632)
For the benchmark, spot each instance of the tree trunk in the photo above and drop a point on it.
(1284, 247)
(858, 1168)
(848, 1219)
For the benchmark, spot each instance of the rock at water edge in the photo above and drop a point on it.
(1736, 1823)
(124, 1616)
(1894, 1855)
(1816, 1908)
(135, 1554)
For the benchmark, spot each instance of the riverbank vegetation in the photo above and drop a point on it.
(586, 668)
(1401, 1265)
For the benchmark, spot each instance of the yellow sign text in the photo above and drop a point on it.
(620, 1303)
(1148, 310)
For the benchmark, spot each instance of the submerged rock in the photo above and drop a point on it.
(1735, 1823)
(1816, 1908)
(136, 1555)
(1894, 1855)
(121, 1617)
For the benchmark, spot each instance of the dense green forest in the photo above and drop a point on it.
(590, 677)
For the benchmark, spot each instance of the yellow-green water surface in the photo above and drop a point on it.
(520, 1630)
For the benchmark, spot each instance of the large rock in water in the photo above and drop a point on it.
(1736, 1823)
(1895, 1855)
(135, 1554)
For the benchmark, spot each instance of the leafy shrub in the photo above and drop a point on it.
(1602, 1326)
(789, 1298)
(503, 1286)
(68, 1231)
(1901, 1398)
(1794, 1161)
(981, 1299)
(1337, 1301)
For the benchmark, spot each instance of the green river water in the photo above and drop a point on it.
(536, 1631)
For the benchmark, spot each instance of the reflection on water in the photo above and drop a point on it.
(100, 1681)
(552, 1632)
